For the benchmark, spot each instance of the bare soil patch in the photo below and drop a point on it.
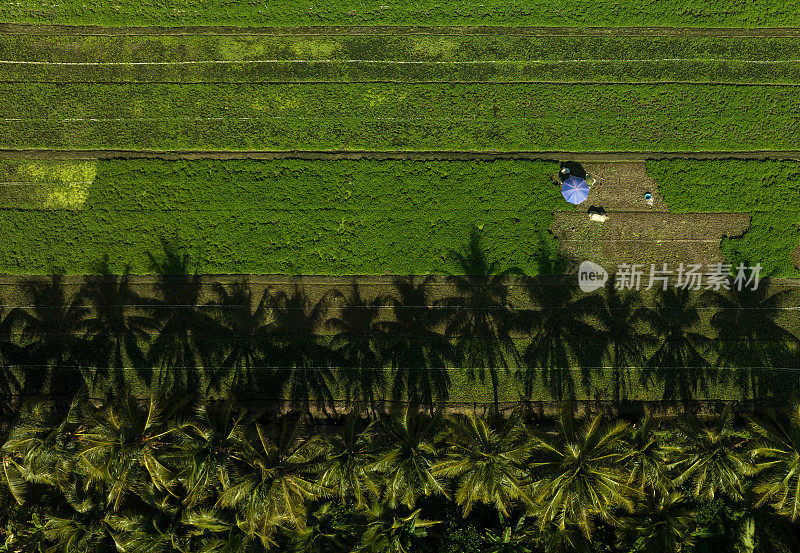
(622, 186)
(646, 237)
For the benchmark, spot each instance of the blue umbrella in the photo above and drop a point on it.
(575, 190)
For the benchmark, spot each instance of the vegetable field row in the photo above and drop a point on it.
(767, 190)
(538, 117)
(581, 13)
(386, 57)
(341, 217)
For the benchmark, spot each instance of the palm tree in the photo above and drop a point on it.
(646, 459)
(204, 442)
(175, 311)
(750, 340)
(389, 531)
(115, 335)
(52, 326)
(273, 477)
(347, 458)
(776, 451)
(711, 458)
(552, 538)
(302, 361)
(578, 474)
(679, 360)
(560, 337)
(40, 448)
(355, 348)
(407, 449)
(621, 318)
(77, 533)
(513, 537)
(481, 316)
(485, 462)
(664, 522)
(239, 354)
(414, 347)
(124, 446)
(330, 529)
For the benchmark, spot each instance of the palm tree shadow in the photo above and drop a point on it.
(52, 325)
(240, 345)
(480, 314)
(622, 344)
(562, 338)
(414, 347)
(750, 344)
(116, 331)
(174, 352)
(356, 348)
(679, 362)
(302, 364)
(11, 375)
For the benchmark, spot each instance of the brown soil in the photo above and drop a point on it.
(621, 187)
(646, 238)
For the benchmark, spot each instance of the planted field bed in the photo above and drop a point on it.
(387, 57)
(268, 217)
(767, 190)
(385, 92)
(717, 13)
(538, 117)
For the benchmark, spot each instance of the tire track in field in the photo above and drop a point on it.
(418, 155)
(462, 30)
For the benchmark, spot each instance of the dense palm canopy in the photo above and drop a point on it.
(712, 461)
(777, 456)
(173, 476)
(409, 452)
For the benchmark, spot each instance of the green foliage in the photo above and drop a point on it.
(290, 217)
(715, 13)
(768, 190)
(266, 493)
(385, 57)
(399, 116)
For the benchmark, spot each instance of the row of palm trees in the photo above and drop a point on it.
(177, 476)
(281, 344)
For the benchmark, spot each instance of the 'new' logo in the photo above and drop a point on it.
(591, 276)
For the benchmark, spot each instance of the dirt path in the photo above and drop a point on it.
(11, 28)
(583, 157)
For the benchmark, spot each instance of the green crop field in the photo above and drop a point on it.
(386, 92)
(767, 190)
(583, 13)
(538, 117)
(349, 58)
(296, 217)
